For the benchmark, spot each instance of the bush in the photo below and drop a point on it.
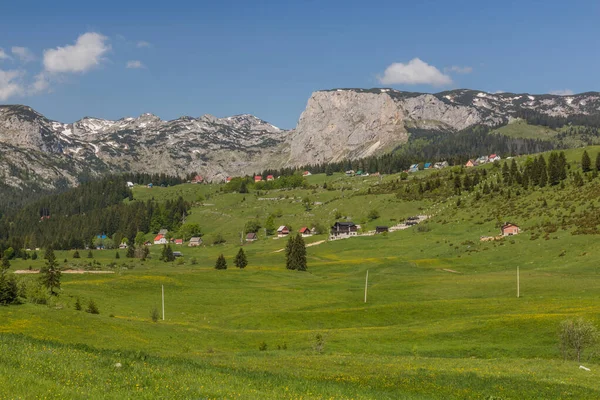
(78, 306)
(218, 239)
(194, 261)
(92, 308)
(576, 336)
(262, 346)
(373, 215)
(319, 343)
(154, 315)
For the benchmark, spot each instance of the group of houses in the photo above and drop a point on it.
(483, 160)
(351, 172)
(282, 232)
(161, 239)
(428, 165)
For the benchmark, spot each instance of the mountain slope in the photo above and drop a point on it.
(336, 124)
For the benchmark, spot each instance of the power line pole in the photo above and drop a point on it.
(518, 284)
(163, 301)
(366, 283)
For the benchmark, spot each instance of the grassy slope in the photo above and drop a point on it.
(521, 129)
(425, 332)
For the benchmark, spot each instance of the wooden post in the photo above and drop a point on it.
(518, 284)
(366, 283)
(163, 301)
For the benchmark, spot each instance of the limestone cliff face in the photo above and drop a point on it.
(345, 124)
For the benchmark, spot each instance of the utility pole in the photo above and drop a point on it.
(163, 301)
(518, 284)
(366, 283)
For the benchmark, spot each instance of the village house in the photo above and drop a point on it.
(160, 239)
(510, 229)
(482, 160)
(130, 184)
(179, 241)
(413, 168)
(228, 179)
(350, 172)
(251, 237)
(306, 173)
(470, 163)
(283, 231)
(257, 178)
(427, 165)
(381, 229)
(198, 179)
(343, 229)
(494, 157)
(150, 186)
(123, 246)
(195, 241)
(270, 178)
(305, 232)
(441, 165)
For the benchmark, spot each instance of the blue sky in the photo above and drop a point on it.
(69, 59)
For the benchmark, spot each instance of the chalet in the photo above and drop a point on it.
(305, 232)
(306, 173)
(510, 229)
(413, 168)
(427, 165)
(228, 179)
(381, 229)
(375, 174)
(103, 236)
(359, 172)
(198, 179)
(494, 157)
(441, 165)
(147, 243)
(123, 245)
(344, 229)
(482, 160)
(470, 163)
(258, 178)
(150, 186)
(283, 231)
(350, 172)
(195, 241)
(130, 184)
(251, 237)
(163, 232)
(270, 178)
(160, 239)
(179, 241)
(177, 254)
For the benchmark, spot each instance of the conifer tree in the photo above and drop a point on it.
(34, 256)
(221, 262)
(598, 162)
(50, 273)
(543, 171)
(515, 175)
(130, 252)
(554, 169)
(5, 264)
(76, 254)
(117, 255)
(563, 165)
(586, 163)
(300, 253)
(240, 259)
(506, 174)
(467, 183)
(90, 254)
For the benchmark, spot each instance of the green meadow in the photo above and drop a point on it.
(442, 319)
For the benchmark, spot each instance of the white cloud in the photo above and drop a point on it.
(143, 43)
(135, 64)
(40, 84)
(23, 54)
(10, 84)
(3, 55)
(563, 92)
(459, 69)
(85, 54)
(414, 72)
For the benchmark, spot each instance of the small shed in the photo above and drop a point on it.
(251, 237)
(283, 231)
(381, 229)
(195, 241)
(305, 231)
(510, 229)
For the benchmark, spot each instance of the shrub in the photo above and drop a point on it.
(78, 306)
(262, 346)
(154, 315)
(92, 308)
(373, 215)
(575, 336)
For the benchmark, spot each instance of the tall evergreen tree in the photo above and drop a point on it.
(300, 253)
(130, 252)
(554, 166)
(221, 262)
(240, 259)
(50, 273)
(598, 162)
(5, 265)
(506, 174)
(586, 163)
(543, 171)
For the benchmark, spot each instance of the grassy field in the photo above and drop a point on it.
(442, 319)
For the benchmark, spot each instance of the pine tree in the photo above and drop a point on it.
(5, 264)
(598, 162)
(300, 253)
(78, 304)
(90, 254)
(221, 262)
(506, 174)
(515, 175)
(467, 183)
(76, 254)
(586, 163)
(169, 255)
(50, 273)
(563, 165)
(117, 255)
(34, 256)
(543, 171)
(554, 169)
(130, 252)
(240, 259)
(8, 288)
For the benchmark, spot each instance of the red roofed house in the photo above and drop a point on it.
(178, 241)
(197, 179)
(283, 231)
(228, 179)
(470, 163)
(270, 177)
(305, 232)
(509, 229)
(160, 239)
(494, 157)
(306, 173)
(257, 178)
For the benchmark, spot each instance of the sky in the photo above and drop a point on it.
(110, 59)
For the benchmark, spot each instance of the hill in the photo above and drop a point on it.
(442, 319)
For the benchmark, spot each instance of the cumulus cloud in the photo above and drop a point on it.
(40, 84)
(3, 55)
(142, 44)
(23, 54)
(563, 92)
(85, 54)
(134, 64)
(414, 72)
(459, 70)
(10, 84)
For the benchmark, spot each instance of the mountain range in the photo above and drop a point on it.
(337, 124)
